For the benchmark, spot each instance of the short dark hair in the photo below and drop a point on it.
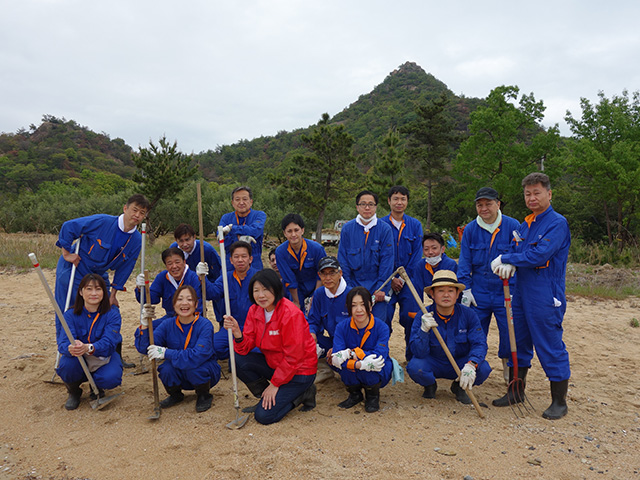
(398, 189)
(291, 218)
(367, 192)
(537, 178)
(366, 297)
(268, 279)
(239, 244)
(182, 230)
(139, 200)
(272, 252)
(433, 236)
(182, 287)
(240, 189)
(170, 252)
(104, 306)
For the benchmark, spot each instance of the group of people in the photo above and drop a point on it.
(311, 310)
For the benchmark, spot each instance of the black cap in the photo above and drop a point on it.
(328, 262)
(486, 192)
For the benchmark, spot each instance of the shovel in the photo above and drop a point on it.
(515, 390)
(143, 230)
(154, 368)
(99, 402)
(240, 420)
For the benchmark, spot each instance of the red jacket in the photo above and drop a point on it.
(285, 341)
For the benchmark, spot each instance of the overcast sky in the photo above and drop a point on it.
(208, 73)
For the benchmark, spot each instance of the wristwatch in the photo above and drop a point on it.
(91, 349)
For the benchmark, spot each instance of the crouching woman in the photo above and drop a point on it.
(185, 343)
(361, 352)
(95, 326)
(283, 371)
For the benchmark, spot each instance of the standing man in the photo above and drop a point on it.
(421, 275)
(407, 245)
(246, 224)
(486, 237)
(297, 260)
(540, 253)
(366, 252)
(107, 242)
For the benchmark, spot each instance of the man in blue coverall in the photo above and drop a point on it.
(486, 237)
(246, 224)
(539, 253)
(107, 242)
(407, 245)
(297, 260)
(365, 252)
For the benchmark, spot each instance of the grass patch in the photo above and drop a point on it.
(602, 291)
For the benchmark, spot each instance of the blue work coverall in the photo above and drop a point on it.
(325, 314)
(252, 225)
(539, 301)
(300, 269)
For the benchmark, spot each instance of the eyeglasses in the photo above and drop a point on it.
(330, 273)
(366, 205)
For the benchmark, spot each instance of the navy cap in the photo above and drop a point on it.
(486, 192)
(328, 262)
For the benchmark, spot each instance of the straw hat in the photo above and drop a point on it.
(444, 278)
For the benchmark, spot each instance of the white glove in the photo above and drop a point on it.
(319, 350)
(372, 363)
(338, 358)
(506, 271)
(140, 280)
(427, 322)
(247, 238)
(202, 268)
(468, 299)
(467, 376)
(148, 312)
(227, 228)
(156, 352)
(496, 263)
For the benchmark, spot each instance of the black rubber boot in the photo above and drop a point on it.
(459, 392)
(75, 392)
(430, 390)
(307, 399)
(514, 395)
(354, 398)
(558, 407)
(124, 364)
(174, 398)
(204, 399)
(372, 398)
(256, 388)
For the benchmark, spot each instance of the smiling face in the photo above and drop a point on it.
(263, 296)
(330, 278)
(359, 310)
(241, 260)
(242, 202)
(537, 198)
(186, 242)
(367, 206)
(294, 233)
(92, 295)
(175, 266)
(432, 248)
(488, 209)
(398, 204)
(185, 304)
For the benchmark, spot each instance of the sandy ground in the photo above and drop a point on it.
(409, 438)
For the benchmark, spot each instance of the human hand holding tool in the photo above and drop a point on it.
(427, 322)
(156, 352)
(467, 376)
(202, 268)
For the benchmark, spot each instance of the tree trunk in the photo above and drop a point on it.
(620, 228)
(608, 220)
(429, 188)
(320, 224)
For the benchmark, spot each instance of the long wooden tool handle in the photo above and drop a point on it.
(154, 366)
(511, 328)
(203, 278)
(389, 279)
(403, 273)
(63, 321)
(143, 231)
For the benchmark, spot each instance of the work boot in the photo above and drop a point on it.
(75, 392)
(256, 388)
(459, 392)
(430, 390)
(92, 396)
(204, 397)
(372, 398)
(515, 394)
(354, 398)
(558, 407)
(174, 398)
(124, 364)
(307, 399)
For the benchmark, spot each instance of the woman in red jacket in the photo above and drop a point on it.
(282, 373)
